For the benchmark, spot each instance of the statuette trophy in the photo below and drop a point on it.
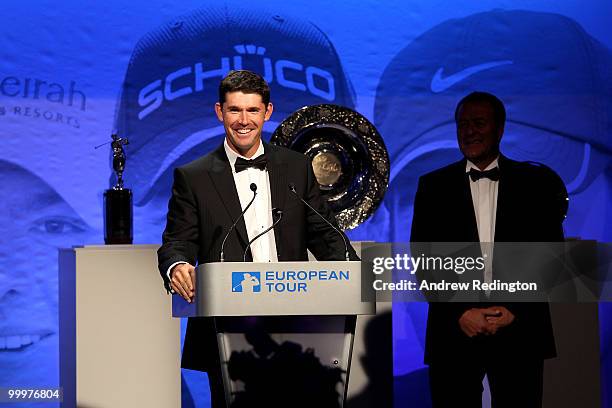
(118, 216)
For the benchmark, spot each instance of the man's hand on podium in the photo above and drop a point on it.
(182, 280)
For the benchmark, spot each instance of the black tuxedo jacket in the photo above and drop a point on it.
(205, 203)
(527, 211)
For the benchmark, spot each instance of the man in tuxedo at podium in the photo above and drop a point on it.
(487, 197)
(208, 203)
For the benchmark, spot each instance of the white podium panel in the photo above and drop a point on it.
(276, 288)
(119, 346)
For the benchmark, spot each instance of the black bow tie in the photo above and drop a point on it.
(492, 174)
(259, 163)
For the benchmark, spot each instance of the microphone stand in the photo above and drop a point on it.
(346, 251)
(253, 187)
(279, 214)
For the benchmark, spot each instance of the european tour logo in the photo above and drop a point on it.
(249, 282)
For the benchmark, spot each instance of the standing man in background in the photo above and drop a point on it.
(486, 198)
(209, 195)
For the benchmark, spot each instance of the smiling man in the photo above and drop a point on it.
(487, 198)
(480, 126)
(243, 116)
(209, 194)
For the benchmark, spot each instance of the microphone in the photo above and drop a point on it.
(253, 187)
(346, 251)
(276, 212)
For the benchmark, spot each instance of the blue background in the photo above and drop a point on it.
(556, 87)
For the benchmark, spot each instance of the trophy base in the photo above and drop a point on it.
(118, 217)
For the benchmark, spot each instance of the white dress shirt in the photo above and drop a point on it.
(484, 197)
(259, 216)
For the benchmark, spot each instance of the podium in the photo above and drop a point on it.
(118, 345)
(284, 330)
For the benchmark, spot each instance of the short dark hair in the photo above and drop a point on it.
(244, 81)
(499, 111)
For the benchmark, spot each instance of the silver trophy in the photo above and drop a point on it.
(118, 159)
(349, 158)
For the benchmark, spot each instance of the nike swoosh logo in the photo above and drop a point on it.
(439, 84)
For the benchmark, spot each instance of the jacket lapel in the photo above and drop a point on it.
(467, 210)
(223, 181)
(504, 199)
(277, 172)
